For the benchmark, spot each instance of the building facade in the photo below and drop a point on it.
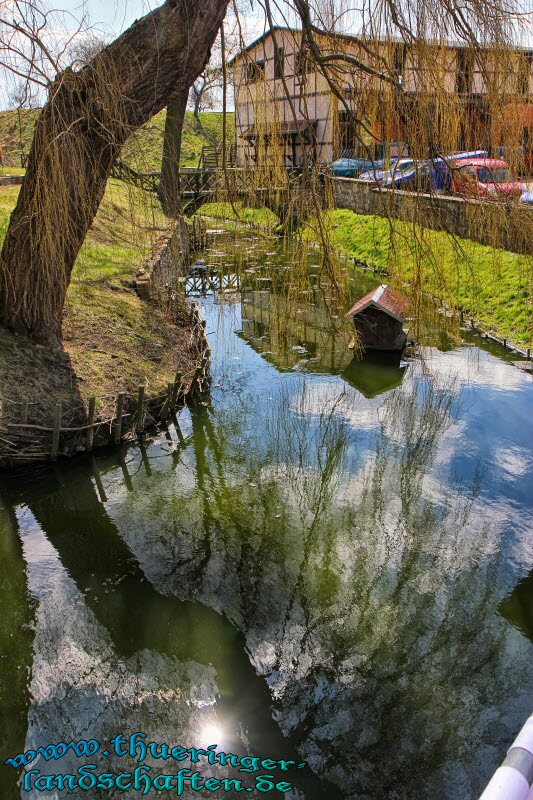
(449, 99)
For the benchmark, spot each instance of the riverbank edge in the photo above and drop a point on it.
(22, 442)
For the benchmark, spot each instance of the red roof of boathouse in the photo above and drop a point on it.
(385, 299)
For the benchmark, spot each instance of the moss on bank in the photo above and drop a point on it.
(262, 217)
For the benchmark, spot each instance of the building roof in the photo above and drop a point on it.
(385, 299)
(457, 44)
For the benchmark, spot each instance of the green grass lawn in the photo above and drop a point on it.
(494, 286)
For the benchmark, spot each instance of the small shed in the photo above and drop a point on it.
(378, 318)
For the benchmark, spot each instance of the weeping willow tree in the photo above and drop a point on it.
(437, 76)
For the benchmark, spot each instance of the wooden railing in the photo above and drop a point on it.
(148, 181)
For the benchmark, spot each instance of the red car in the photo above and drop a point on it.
(485, 177)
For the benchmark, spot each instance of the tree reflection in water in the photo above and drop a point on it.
(307, 557)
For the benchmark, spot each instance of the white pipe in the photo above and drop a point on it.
(513, 780)
(506, 784)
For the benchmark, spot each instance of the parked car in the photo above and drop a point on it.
(486, 177)
(350, 167)
(527, 197)
(432, 175)
(386, 175)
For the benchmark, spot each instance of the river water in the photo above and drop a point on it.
(326, 562)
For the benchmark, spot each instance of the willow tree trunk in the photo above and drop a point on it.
(81, 129)
(170, 163)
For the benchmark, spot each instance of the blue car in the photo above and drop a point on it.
(385, 176)
(351, 167)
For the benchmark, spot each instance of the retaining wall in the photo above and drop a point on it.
(170, 259)
(507, 226)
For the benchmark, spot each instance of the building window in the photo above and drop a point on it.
(279, 62)
(254, 71)
(524, 74)
(465, 72)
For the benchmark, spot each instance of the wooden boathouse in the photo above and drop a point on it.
(378, 318)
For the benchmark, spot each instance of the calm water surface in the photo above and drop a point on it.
(327, 562)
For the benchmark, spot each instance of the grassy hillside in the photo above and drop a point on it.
(142, 151)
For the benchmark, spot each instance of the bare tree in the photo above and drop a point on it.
(85, 48)
(202, 94)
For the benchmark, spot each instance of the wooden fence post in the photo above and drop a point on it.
(56, 432)
(118, 421)
(90, 422)
(176, 389)
(167, 403)
(24, 412)
(139, 416)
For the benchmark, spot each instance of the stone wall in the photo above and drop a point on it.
(168, 261)
(11, 180)
(509, 227)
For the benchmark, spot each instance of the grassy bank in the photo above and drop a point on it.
(261, 217)
(113, 341)
(494, 286)
(142, 151)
